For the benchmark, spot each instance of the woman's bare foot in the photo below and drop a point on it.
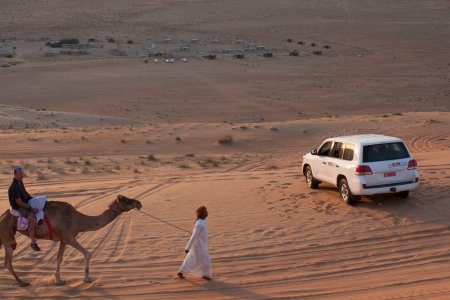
(206, 278)
(180, 275)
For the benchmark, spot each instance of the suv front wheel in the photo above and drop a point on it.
(310, 181)
(346, 193)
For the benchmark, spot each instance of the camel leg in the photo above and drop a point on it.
(74, 243)
(62, 248)
(9, 250)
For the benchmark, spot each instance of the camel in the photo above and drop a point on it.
(67, 223)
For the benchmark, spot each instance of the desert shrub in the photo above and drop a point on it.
(151, 157)
(212, 162)
(226, 140)
(274, 129)
(272, 167)
(178, 138)
(40, 176)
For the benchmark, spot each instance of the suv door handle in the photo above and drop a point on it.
(324, 162)
(337, 166)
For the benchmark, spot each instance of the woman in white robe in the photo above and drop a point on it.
(197, 259)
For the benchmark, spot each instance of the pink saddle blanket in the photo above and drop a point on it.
(22, 222)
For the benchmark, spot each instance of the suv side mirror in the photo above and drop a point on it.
(314, 151)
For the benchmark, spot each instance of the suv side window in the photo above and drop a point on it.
(337, 150)
(325, 149)
(348, 152)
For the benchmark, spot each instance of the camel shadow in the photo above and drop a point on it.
(223, 288)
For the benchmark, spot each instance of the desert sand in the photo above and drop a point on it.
(89, 127)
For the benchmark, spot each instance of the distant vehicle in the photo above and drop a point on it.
(5, 65)
(170, 60)
(56, 45)
(362, 165)
(184, 60)
(210, 56)
(156, 60)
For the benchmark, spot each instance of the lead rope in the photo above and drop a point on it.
(179, 228)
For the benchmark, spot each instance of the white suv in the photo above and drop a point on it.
(362, 165)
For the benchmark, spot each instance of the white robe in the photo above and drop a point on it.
(197, 260)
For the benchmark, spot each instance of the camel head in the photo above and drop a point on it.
(127, 204)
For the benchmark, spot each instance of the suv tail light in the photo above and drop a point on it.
(412, 164)
(363, 170)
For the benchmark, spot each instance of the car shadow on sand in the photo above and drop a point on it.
(426, 204)
(422, 206)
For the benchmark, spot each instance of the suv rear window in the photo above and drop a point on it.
(387, 151)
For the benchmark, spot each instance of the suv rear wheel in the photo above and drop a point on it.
(310, 181)
(346, 193)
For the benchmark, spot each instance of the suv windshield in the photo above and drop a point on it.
(388, 151)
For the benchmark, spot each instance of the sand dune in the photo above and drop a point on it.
(270, 235)
(87, 126)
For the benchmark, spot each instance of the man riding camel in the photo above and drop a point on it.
(19, 199)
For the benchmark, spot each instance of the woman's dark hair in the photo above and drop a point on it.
(202, 212)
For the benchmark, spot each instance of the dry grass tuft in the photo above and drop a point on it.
(226, 140)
